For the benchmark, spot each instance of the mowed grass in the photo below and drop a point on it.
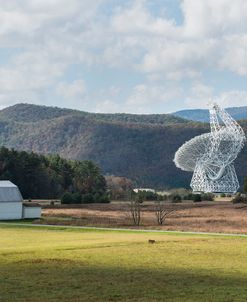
(50, 264)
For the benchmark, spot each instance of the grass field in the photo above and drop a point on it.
(219, 216)
(52, 264)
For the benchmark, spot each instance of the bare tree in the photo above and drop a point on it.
(119, 187)
(162, 211)
(136, 208)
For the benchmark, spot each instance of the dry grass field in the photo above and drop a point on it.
(219, 216)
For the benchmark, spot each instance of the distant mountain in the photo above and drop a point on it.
(27, 113)
(140, 147)
(202, 115)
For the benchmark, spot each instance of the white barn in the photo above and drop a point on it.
(11, 203)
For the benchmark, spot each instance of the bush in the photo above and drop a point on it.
(104, 199)
(101, 198)
(87, 198)
(76, 197)
(189, 196)
(207, 196)
(239, 199)
(67, 198)
(145, 196)
(197, 197)
(176, 198)
(71, 198)
(149, 196)
(96, 197)
(162, 197)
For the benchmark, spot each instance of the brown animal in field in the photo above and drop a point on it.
(151, 241)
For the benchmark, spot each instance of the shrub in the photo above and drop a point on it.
(87, 198)
(189, 196)
(96, 197)
(76, 197)
(104, 199)
(207, 196)
(197, 197)
(162, 197)
(150, 196)
(239, 199)
(176, 198)
(67, 198)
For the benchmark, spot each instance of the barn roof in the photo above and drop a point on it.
(9, 192)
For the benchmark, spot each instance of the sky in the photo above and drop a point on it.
(138, 56)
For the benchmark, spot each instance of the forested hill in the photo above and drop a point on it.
(140, 147)
(27, 113)
(202, 115)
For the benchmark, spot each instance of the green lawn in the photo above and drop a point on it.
(50, 264)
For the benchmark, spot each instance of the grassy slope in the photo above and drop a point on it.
(71, 265)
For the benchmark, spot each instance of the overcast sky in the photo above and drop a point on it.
(152, 56)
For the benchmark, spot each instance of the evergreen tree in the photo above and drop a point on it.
(40, 176)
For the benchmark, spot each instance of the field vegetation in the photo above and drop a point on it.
(55, 264)
(218, 216)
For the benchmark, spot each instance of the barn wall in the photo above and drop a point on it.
(10, 210)
(31, 212)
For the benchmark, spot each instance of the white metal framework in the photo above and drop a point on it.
(210, 156)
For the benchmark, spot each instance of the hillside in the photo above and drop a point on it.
(141, 148)
(27, 113)
(201, 115)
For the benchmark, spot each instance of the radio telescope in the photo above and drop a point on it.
(210, 156)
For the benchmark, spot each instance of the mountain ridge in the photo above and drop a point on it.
(202, 115)
(141, 148)
(22, 112)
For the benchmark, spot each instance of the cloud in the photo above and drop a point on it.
(235, 54)
(137, 20)
(146, 97)
(127, 37)
(143, 98)
(232, 98)
(214, 18)
(74, 90)
(176, 56)
(199, 95)
(107, 106)
(211, 33)
(28, 16)
(202, 95)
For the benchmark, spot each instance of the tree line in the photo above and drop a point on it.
(52, 177)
